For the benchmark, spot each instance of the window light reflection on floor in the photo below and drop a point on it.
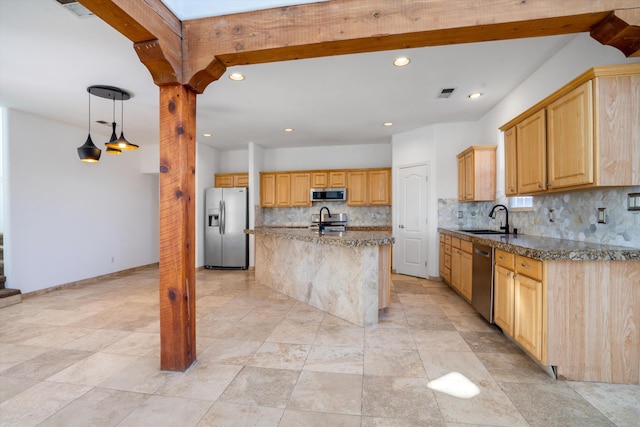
(455, 384)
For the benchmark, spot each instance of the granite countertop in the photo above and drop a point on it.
(346, 238)
(549, 248)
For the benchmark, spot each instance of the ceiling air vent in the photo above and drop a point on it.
(446, 92)
(76, 8)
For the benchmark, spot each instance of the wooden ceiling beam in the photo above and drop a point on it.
(154, 30)
(355, 26)
(621, 29)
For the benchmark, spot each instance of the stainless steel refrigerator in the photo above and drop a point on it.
(227, 216)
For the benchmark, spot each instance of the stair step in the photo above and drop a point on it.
(10, 297)
(3, 279)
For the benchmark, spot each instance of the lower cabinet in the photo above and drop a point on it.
(518, 300)
(456, 264)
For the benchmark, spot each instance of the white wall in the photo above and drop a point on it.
(206, 163)
(66, 220)
(234, 161)
(329, 157)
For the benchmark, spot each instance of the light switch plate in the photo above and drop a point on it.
(602, 215)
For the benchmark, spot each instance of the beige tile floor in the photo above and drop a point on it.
(89, 356)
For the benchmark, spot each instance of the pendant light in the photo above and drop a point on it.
(113, 133)
(88, 152)
(122, 143)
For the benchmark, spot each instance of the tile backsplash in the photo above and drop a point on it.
(575, 216)
(301, 216)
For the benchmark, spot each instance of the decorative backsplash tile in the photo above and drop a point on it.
(301, 216)
(575, 216)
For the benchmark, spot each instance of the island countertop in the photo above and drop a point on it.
(549, 248)
(335, 238)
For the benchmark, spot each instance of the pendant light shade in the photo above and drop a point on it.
(110, 149)
(122, 143)
(88, 152)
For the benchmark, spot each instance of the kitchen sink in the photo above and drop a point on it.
(483, 231)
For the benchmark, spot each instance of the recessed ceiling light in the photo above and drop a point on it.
(401, 61)
(236, 76)
(475, 95)
(388, 123)
(288, 129)
(206, 135)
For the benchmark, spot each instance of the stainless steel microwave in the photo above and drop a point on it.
(328, 194)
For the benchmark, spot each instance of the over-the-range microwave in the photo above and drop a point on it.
(328, 194)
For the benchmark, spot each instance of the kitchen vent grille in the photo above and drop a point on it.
(446, 92)
(76, 8)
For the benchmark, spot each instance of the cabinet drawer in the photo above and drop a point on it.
(505, 259)
(447, 239)
(442, 238)
(455, 242)
(447, 261)
(466, 246)
(529, 267)
(447, 249)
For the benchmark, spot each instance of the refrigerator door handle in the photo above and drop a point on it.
(221, 221)
(223, 218)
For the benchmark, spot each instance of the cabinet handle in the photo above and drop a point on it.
(539, 185)
(525, 265)
(508, 274)
(502, 257)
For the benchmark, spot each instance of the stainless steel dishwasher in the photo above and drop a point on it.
(482, 281)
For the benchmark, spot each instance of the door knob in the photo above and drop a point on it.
(401, 226)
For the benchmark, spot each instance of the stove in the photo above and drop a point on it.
(335, 222)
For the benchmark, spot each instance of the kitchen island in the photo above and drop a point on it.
(347, 274)
(572, 306)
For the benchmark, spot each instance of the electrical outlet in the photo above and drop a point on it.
(459, 214)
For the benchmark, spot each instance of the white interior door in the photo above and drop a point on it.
(412, 221)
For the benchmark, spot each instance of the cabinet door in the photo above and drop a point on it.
(441, 256)
(503, 299)
(469, 177)
(510, 163)
(337, 179)
(224, 181)
(456, 268)
(528, 314)
(319, 180)
(283, 189)
(570, 138)
(268, 190)
(357, 188)
(466, 272)
(461, 178)
(241, 180)
(300, 185)
(531, 154)
(379, 187)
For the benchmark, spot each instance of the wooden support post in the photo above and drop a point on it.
(177, 227)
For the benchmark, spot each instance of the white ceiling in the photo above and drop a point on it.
(49, 56)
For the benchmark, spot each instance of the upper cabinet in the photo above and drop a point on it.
(365, 187)
(583, 136)
(477, 174)
(231, 180)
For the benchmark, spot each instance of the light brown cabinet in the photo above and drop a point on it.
(510, 161)
(477, 174)
(365, 187)
(456, 264)
(267, 189)
(518, 300)
(357, 188)
(583, 136)
(228, 180)
(570, 138)
(531, 154)
(300, 186)
(379, 187)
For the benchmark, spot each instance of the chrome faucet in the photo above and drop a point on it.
(320, 223)
(492, 214)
